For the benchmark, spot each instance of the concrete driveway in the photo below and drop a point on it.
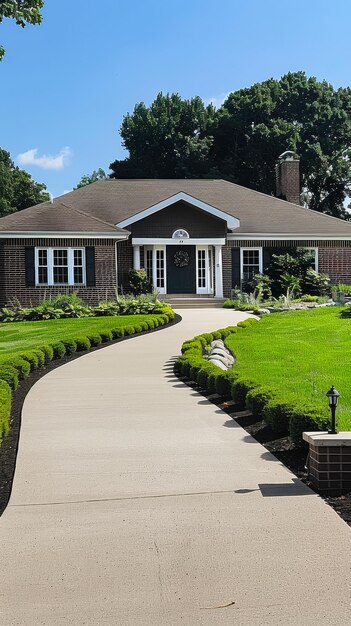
(137, 502)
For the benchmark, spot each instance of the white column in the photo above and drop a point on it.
(136, 257)
(218, 272)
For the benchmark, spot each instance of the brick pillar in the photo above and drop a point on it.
(330, 462)
(288, 179)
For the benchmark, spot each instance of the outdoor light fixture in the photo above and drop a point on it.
(333, 396)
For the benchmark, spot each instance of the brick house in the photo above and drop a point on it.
(191, 236)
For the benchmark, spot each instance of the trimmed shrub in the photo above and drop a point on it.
(202, 377)
(48, 353)
(95, 340)
(211, 381)
(106, 335)
(41, 356)
(256, 399)
(138, 328)
(240, 388)
(59, 350)
(32, 359)
(118, 332)
(22, 366)
(128, 330)
(5, 408)
(70, 346)
(224, 383)
(303, 419)
(10, 375)
(143, 326)
(191, 345)
(82, 344)
(156, 323)
(217, 335)
(150, 324)
(277, 414)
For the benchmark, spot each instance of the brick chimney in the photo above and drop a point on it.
(287, 172)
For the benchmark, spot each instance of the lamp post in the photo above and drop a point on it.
(333, 396)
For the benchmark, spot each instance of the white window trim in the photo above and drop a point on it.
(50, 266)
(260, 260)
(315, 250)
(206, 289)
(162, 290)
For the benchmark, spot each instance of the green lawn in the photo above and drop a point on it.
(23, 336)
(300, 354)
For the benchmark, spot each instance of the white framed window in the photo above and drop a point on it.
(148, 252)
(313, 252)
(251, 263)
(60, 266)
(160, 269)
(201, 268)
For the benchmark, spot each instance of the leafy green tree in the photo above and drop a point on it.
(92, 178)
(297, 113)
(22, 11)
(241, 141)
(169, 139)
(17, 188)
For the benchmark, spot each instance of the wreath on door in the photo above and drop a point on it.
(181, 259)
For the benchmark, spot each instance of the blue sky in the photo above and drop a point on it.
(67, 83)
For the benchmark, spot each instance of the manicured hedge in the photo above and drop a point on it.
(283, 415)
(5, 408)
(20, 366)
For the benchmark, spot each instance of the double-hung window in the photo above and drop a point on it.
(60, 266)
(251, 263)
(313, 256)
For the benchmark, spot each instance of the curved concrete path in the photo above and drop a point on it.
(138, 503)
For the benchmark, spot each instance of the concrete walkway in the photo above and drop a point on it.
(138, 503)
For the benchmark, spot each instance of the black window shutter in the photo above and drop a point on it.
(29, 266)
(267, 255)
(235, 267)
(90, 266)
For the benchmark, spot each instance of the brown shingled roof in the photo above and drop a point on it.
(113, 201)
(57, 217)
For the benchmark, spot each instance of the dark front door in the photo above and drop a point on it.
(181, 269)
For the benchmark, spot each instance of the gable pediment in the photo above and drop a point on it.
(231, 222)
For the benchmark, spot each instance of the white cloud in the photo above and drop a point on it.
(47, 162)
(217, 101)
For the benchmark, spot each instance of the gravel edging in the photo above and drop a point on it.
(9, 446)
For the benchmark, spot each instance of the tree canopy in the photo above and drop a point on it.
(22, 11)
(240, 141)
(87, 179)
(17, 188)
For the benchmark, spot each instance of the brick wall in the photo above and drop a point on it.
(124, 263)
(336, 262)
(12, 271)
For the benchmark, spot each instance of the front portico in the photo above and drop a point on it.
(179, 243)
(181, 265)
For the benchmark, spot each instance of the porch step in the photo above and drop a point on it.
(195, 303)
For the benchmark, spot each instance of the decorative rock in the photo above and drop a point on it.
(218, 363)
(217, 343)
(222, 352)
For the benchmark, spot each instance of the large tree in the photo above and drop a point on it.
(87, 179)
(22, 11)
(242, 139)
(169, 139)
(256, 124)
(17, 188)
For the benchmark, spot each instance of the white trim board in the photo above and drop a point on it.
(282, 237)
(60, 235)
(150, 241)
(232, 222)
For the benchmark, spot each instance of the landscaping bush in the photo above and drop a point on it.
(95, 340)
(224, 382)
(82, 344)
(139, 282)
(256, 399)
(48, 353)
(106, 335)
(5, 408)
(22, 366)
(150, 324)
(128, 330)
(70, 346)
(119, 332)
(32, 358)
(10, 375)
(277, 413)
(240, 388)
(59, 350)
(306, 419)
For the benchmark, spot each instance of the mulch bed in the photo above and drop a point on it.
(283, 449)
(9, 446)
